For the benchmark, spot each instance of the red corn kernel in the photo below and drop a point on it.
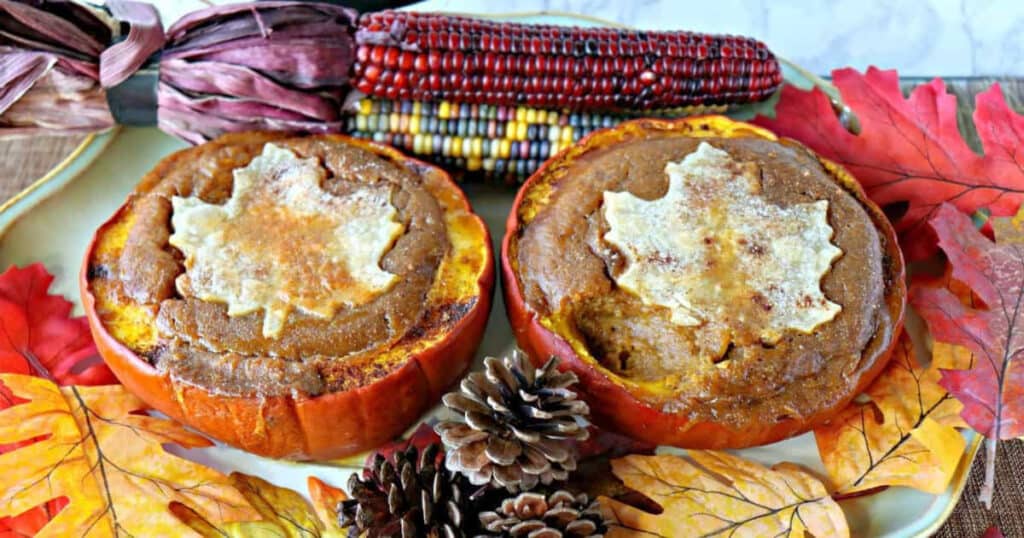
(406, 61)
(391, 57)
(363, 53)
(372, 73)
(401, 80)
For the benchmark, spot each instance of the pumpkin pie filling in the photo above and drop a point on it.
(265, 265)
(730, 279)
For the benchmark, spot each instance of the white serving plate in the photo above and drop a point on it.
(53, 220)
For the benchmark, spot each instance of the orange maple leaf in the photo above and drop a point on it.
(906, 435)
(285, 513)
(107, 461)
(716, 494)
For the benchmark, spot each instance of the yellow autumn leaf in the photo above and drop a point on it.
(716, 494)
(285, 513)
(906, 435)
(107, 461)
(948, 357)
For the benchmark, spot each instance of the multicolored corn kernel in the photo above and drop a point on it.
(504, 143)
(427, 56)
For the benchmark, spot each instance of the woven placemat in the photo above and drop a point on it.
(22, 161)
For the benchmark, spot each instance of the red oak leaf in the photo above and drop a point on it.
(992, 391)
(37, 336)
(909, 150)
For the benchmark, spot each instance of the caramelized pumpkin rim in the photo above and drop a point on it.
(461, 281)
(535, 193)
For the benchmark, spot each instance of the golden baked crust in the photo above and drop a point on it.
(565, 272)
(133, 272)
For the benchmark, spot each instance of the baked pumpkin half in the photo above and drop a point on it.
(712, 285)
(296, 297)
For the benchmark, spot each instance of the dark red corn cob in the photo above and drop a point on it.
(428, 56)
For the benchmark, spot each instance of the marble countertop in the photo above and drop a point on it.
(920, 38)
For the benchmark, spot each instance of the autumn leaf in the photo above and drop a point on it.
(993, 532)
(285, 513)
(106, 460)
(38, 337)
(905, 435)
(992, 389)
(909, 150)
(717, 494)
(30, 522)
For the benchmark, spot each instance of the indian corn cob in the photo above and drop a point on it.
(427, 56)
(505, 143)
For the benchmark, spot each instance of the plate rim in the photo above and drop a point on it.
(63, 173)
(95, 144)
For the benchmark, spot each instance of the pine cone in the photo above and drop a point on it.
(520, 424)
(534, 515)
(405, 499)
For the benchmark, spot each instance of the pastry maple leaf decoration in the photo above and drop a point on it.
(284, 512)
(715, 252)
(992, 390)
(909, 150)
(905, 435)
(720, 495)
(281, 242)
(106, 460)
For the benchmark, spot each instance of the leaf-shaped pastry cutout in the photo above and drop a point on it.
(281, 242)
(716, 494)
(720, 256)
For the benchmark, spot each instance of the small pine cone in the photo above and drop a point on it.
(519, 427)
(536, 516)
(405, 499)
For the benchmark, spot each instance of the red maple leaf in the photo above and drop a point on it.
(909, 150)
(993, 532)
(38, 336)
(992, 391)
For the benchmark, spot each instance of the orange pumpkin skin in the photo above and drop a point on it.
(616, 406)
(330, 425)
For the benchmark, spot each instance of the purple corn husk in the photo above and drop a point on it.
(60, 101)
(145, 36)
(281, 65)
(49, 68)
(266, 65)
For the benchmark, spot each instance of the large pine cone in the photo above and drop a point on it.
(536, 516)
(405, 499)
(520, 424)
